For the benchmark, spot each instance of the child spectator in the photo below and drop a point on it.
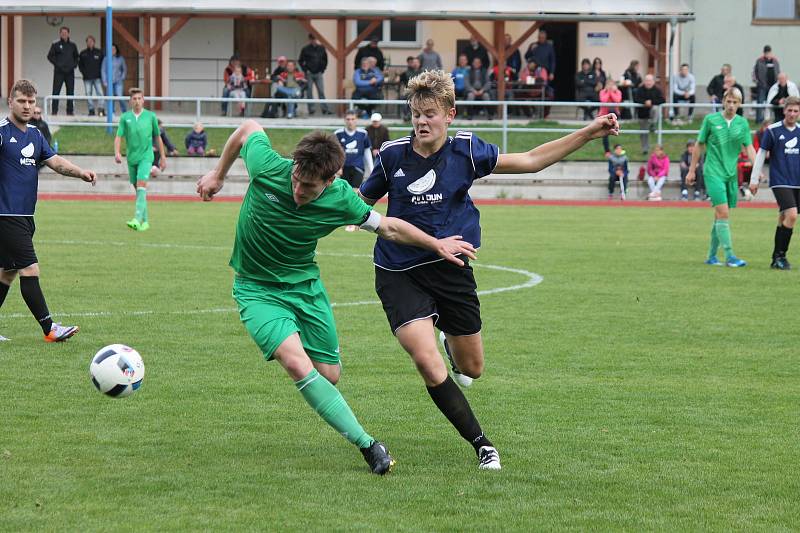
(196, 141)
(617, 170)
(699, 184)
(609, 95)
(237, 87)
(657, 171)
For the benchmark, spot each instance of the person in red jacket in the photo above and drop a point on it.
(290, 84)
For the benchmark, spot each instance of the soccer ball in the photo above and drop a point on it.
(117, 370)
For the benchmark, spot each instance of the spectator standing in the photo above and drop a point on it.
(683, 90)
(237, 88)
(514, 59)
(370, 50)
(544, 53)
(609, 95)
(63, 55)
(90, 62)
(314, 60)
(377, 133)
(475, 49)
(585, 82)
(779, 92)
(196, 141)
(412, 69)
(631, 80)
(429, 59)
(39, 123)
(119, 71)
(290, 84)
(460, 74)
(650, 97)
(477, 85)
(600, 74)
(765, 74)
(617, 170)
(369, 82)
(715, 87)
(657, 172)
(686, 161)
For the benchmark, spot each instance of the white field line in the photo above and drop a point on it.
(533, 280)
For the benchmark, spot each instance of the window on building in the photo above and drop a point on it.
(776, 11)
(392, 33)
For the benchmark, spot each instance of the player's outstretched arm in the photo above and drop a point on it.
(211, 183)
(546, 154)
(397, 230)
(67, 168)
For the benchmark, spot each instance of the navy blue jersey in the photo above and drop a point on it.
(354, 144)
(20, 151)
(783, 145)
(431, 193)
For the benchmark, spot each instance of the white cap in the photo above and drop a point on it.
(376, 117)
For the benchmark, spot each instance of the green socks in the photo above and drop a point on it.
(141, 204)
(712, 250)
(328, 402)
(722, 228)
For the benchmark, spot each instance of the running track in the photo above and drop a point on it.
(487, 201)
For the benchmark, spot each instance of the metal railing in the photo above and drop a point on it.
(505, 126)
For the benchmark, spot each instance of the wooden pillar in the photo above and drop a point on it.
(147, 77)
(159, 89)
(500, 46)
(341, 27)
(9, 37)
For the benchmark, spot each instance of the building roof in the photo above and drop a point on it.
(594, 10)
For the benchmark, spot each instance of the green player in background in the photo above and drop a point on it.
(722, 135)
(289, 205)
(139, 127)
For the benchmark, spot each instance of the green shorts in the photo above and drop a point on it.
(272, 312)
(139, 171)
(722, 190)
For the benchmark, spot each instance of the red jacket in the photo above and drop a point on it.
(299, 77)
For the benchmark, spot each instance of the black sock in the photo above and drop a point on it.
(782, 237)
(453, 404)
(3, 292)
(32, 294)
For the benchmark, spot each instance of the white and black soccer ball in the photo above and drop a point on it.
(117, 370)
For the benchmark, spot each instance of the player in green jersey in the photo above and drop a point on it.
(289, 205)
(722, 135)
(139, 127)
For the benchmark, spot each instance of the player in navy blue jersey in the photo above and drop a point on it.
(782, 141)
(22, 147)
(427, 177)
(357, 150)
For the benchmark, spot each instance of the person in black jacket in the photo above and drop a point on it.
(585, 82)
(313, 61)
(650, 97)
(90, 61)
(63, 55)
(715, 87)
(370, 50)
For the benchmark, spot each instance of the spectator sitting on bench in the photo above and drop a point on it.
(368, 81)
(617, 170)
(657, 172)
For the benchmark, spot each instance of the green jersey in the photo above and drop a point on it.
(723, 144)
(139, 134)
(275, 238)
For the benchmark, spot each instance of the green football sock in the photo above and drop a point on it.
(141, 204)
(712, 250)
(724, 235)
(328, 402)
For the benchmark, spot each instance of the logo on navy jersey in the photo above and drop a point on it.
(790, 148)
(351, 147)
(419, 187)
(399, 173)
(13, 140)
(27, 152)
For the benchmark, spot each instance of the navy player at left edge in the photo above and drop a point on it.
(22, 146)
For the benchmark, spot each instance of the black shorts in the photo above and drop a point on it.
(441, 290)
(16, 242)
(787, 198)
(354, 176)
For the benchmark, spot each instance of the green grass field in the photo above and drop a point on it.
(633, 389)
